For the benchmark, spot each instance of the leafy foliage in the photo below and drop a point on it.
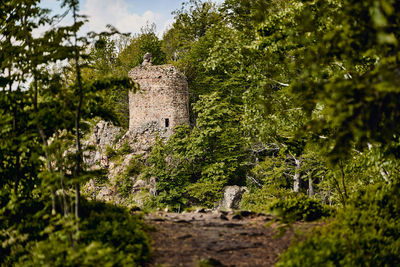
(299, 207)
(339, 51)
(48, 91)
(124, 181)
(260, 199)
(191, 23)
(147, 41)
(195, 165)
(363, 234)
(284, 95)
(110, 236)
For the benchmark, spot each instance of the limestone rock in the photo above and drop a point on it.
(147, 59)
(104, 134)
(152, 181)
(141, 140)
(232, 197)
(138, 185)
(105, 194)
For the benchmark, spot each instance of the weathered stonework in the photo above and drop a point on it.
(160, 104)
(162, 100)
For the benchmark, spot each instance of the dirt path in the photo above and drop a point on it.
(226, 239)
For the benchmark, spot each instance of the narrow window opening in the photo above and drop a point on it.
(166, 123)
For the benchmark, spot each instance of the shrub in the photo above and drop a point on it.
(108, 236)
(259, 200)
(21, 221)
(110, 152)
(135, 166)
(117, 228)
(365, 233)
(125, 149)
(124, 181)
(299, 207)
(206, 192)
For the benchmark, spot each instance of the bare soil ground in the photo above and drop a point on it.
(221, 238)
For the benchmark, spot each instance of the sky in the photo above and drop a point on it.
(125, 15)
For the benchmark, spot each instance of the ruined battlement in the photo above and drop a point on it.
(162, 101)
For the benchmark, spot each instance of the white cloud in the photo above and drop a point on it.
(116, 13)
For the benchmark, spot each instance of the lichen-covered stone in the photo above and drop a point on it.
(104, 134)
(232, 197)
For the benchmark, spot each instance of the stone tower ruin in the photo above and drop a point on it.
(162, 101)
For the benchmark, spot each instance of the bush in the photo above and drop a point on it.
(206, 192)
(259, 200)
(112, 153)
(53, 252)
(299, 207)
(125, 180)
(108, 236)
(125, 149)
(365, 233)
(135, 166)
(114, 226)
(21, 221)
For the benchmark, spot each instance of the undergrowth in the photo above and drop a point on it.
(108, 236)
(364, 233)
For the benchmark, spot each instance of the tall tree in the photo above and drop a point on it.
(345, 56)
(192, 22)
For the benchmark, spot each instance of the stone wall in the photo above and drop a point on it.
(162, 100)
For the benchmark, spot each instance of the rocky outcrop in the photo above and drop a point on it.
(232, 197)
(104, 134)
(141, 139)
(104, 138)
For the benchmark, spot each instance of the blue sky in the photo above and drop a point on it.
(125, 15)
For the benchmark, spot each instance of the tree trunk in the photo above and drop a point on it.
(343, 179)
(77, 119)
(296, 178)
(77, 198)
(310, 187)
